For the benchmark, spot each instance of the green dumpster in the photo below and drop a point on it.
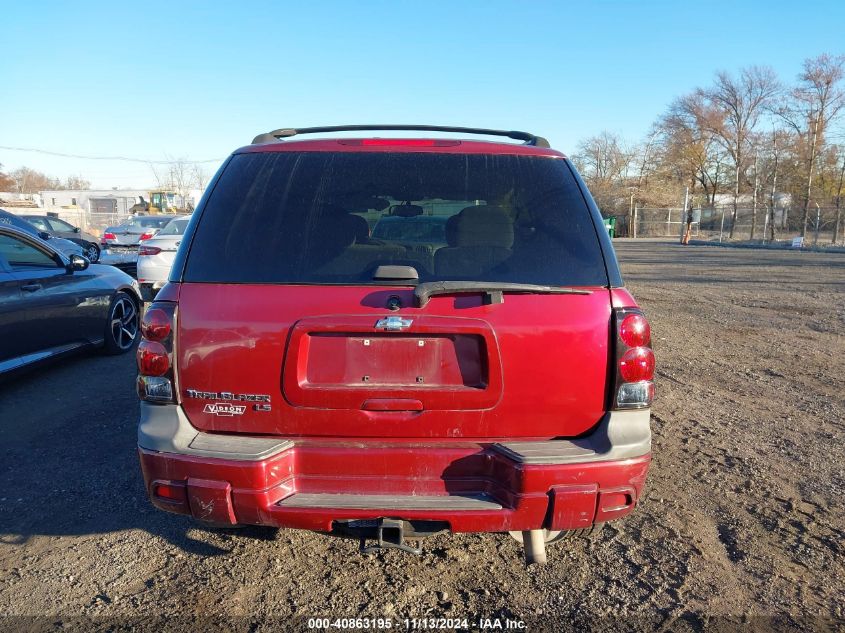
(610, 225)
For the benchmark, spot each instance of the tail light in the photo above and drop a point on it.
(155, 354)
(108, 236)
(148, 250)
(146, 236)
(634, 385)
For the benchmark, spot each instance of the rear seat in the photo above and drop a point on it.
(357, 252)
(479, 238)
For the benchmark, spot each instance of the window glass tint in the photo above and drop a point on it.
(61, 225)
(175, 227)
(321, 217)
(19, 254)
(40, 224)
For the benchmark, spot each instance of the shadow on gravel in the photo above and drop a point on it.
(68, 460)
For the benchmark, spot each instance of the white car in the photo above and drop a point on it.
(156, 255)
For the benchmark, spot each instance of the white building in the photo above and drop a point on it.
(782, 199)
(79, 199)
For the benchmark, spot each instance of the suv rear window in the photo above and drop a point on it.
(325, 217)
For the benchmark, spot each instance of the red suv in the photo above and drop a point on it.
(297, 371)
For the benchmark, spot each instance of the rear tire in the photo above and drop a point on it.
(122, 325)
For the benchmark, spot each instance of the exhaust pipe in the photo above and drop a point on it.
(534, 543)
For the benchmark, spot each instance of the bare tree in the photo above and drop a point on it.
(754, 194)
(689, 149)
(709, 139)
(7, 183)
(811, 108)
(200, 177)
(644, 158)
(77, 182)
(602, 158)
(30, 181)
(604, 161)
(739, 103)
(180, 176)
(772, 148)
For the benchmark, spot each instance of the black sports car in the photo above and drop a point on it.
(51, 304)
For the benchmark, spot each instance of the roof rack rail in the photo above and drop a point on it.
(275, 135)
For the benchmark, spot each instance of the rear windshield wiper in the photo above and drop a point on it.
(492, 290)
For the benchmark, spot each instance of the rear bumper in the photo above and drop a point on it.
(473, 486)
(153, 272)
(151, 276)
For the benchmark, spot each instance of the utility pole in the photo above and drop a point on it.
(635, 221)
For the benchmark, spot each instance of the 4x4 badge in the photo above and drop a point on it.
(393, 323)
(224, 408)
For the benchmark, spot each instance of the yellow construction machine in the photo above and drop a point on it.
(167, 202)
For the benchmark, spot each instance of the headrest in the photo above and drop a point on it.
(482, 226)
(360, 227)
(334, 233)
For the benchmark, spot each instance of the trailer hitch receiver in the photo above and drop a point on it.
(389, 534)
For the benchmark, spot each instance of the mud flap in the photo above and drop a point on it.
(211, 501)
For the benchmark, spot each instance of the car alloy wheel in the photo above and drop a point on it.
(123, 322)
(92, 253)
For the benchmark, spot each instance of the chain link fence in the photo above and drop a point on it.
(93, 214)
(717, 223)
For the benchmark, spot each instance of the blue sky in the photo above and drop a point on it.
(197, 79)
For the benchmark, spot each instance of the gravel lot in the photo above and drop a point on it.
(742, 521)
